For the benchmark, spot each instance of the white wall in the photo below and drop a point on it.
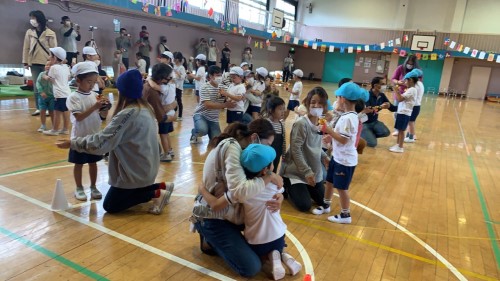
(465, 16)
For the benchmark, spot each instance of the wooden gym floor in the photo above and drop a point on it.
(427, 214)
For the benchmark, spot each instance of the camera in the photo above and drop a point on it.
(92, 28)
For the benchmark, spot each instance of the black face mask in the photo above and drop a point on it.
(146, 38)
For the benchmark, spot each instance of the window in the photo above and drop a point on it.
(219, 6)
(253, 11)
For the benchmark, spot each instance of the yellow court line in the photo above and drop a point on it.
(383, 247)
(399, 231)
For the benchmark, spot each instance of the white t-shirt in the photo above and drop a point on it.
(179, 78)
(61, 75)
(141, 66)
(297, 88)
(261, 225)
(347, 126)
(200, 73)
(79, 102)
(420, 93)
(406, 106)
(168, 96)
(237, 90)
(258, 86)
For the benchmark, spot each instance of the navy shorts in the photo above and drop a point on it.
(197, 93)
(401, 122)
(264, 249)
(165, 128)
(415, 113)
(254, 109)
(339, 175)
(76, 157)
(292, 105)
(234, 116)
(60, 105)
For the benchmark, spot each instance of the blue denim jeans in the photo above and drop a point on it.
(228, 242)
(204, 127)
(372, 131)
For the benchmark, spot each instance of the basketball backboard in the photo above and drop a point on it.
(277, 20)
(423, 43)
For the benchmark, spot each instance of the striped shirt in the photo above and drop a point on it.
(277, 126)
(209, 93)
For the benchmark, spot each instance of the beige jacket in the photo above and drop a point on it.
(33, 53)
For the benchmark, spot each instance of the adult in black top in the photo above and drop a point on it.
(225, 57)
(373, 128)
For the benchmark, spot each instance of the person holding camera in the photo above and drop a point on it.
(144, 47)
(37, 42)
(123, 44)
(69, 34)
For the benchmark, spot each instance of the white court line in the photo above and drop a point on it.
(120, 236)
(309, 269)
(414, 237)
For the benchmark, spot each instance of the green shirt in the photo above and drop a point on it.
(44, 86)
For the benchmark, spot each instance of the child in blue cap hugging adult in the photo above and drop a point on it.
(134, 159)
(344, 154)
(405, 108)
(264, 230)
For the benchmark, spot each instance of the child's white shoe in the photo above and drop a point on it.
(291, 264)
(278, 271)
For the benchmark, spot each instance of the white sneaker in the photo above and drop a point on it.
(396, 149)
(80, 194)
(51, 132)
(41, 129)
(320, 210)
(278, 271)
(395, 133)
(291, 264)
(63, 132)
(36, 113)
(160, 202)
(341, 218)
(165, 157)
(171, 152)
(408, 140)
(179, 118)
(193, 139)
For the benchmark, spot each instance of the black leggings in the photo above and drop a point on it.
(300, 194)
(119, 199)
(178, 98)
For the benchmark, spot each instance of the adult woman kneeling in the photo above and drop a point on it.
(220, 231)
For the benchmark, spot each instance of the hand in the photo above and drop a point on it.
(43, 95)
(368, 110)
(229, 104)
(277, 180)
(310, 180)
(326, 162)
(385, 105)
(64, 144)
(99, 104)
(274, 205)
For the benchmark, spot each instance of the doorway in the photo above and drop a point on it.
(478, 82)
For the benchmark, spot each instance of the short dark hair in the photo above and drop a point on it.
(359, 106)
(144, 27)
(138, 54)
(251, 175)
(161, 71)
(85, 75)
(323, 96)
(214, 69)
(377, 80)
(272, 102)
(344, 80)
(262, 127)
(123, 29)
(40, 18)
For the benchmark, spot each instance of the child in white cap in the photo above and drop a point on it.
(258, 87)
(264, 230)
(235, 92)
(200, 75)
(87, 113)
(59, 75)
(295, 92)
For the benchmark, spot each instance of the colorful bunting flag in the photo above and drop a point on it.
(402, 53)
(249, 40)
(418, 55)
(287, 37)
(210, 12)
(261, 45)
(491, 57)
(434, 56)
(222, 24)
(460, 47)
(498, 58)
(358, 49)
(178, 7)
(44, 1)
(296, 41)
(474, 53)
(482, 55)
(350, 49)
(367, 48)
(268, 43)
(405, 38)
(441, 57)
(466, 50)
(228, 25)
(425, 56)
(315, 46)
(382, 45)
(448, 55)
(395, 50)
(391, 43)
(133, 1)
(235, 30)
(331, 49)
(446, 41)
(342, 49)
(145, 8)
(157, 11)
(274, 35)
(306, 44)
(323, 48)
(398, 41)
(452, 44)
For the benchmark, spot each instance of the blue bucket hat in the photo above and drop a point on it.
(256, 157)
(351, 91)
(129, 84)
(415, 73)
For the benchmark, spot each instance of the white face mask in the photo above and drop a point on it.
(218, 79)
(67, 23)
(250, 81)
(97, 62)
(34, 23)
(317, 112)
(383, 88)
(409, 66)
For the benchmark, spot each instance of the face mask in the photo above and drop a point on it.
(97, 62)
(67, 23)
(409, 66)
(258, 140)
(218, 80)
(146, 38)
(34, 23)
(317, 112)
(383, 88)
(250, 81)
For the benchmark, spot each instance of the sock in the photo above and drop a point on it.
(93, 187)
(410, 136)
(327, 203)
(162, 185)
(157, 193)
(345, 213)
